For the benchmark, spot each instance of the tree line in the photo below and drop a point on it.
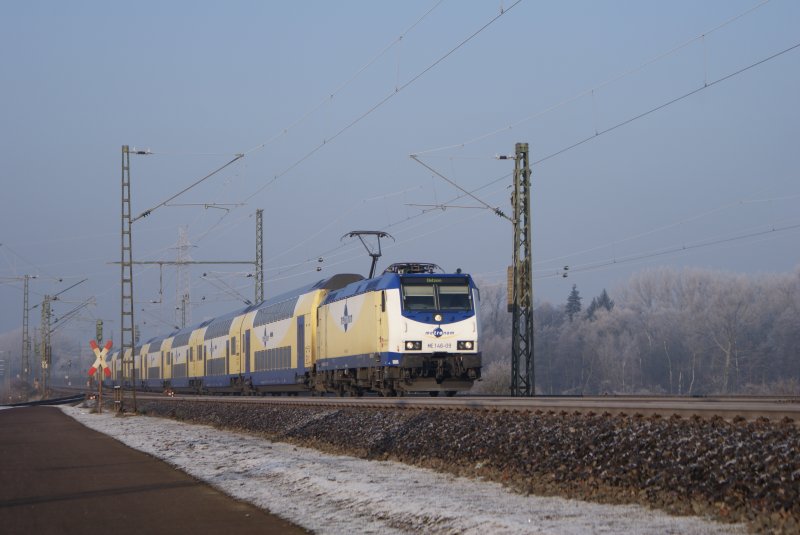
(666, 331)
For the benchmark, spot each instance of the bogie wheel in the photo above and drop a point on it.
(433, 393)
(451, 393)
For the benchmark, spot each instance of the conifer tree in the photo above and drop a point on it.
(603, 300)
(573, 303)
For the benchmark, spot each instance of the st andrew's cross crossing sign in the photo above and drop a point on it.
(100, 360)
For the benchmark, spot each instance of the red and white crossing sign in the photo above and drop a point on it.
(100, 361)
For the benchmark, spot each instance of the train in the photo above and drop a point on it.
(412, 329)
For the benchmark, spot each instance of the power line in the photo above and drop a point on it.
(383, 101)
(184, 190)
(238, 156)
(326, 253)
(284, 131)
(591, 90)
(672, 250)
(494, 209)
(339, 89)
(620, 124)
(639, 116)
(329, 253)
(397, 90)
(228, 289)
(667, 227)
(444, 207)
(666, 104)
(332, 222)
(15, 253)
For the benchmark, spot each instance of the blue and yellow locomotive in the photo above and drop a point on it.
(411, 329)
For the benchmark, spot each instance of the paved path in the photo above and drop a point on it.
(59, 477)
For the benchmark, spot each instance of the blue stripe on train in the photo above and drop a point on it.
(179, 382)
(154, 383)
(294, 375)
(214, 381)
(360, 361)
(276, 377)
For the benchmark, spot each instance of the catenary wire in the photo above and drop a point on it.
(672, 250)
(643, 114)
(616, 126)
(379, 104)
(344, 85)
(666, 104)
(665, 227)
(591, 90)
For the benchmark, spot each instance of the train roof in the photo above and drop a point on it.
(387, 280)
(331, 283)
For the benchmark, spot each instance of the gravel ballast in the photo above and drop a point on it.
(733, 471)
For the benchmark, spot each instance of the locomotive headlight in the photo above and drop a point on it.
(437, 317)
(414, 345)
(465, 345)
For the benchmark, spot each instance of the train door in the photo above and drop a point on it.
(236, 362)
(301, 344)
(200, 362)
(380, 312)
(309, 348)
(246, 351)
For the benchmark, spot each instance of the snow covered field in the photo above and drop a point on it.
(336, 494)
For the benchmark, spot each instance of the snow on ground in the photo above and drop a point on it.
(337, 494)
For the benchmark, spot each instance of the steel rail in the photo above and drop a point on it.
(72, 398)
(773, 408)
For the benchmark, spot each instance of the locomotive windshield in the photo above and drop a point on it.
(434, 293)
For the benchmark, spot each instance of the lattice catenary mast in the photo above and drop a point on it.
(183, 288)
(259, 255)
(521, 283)
(126, 264)
(45, 345)
(26, 337)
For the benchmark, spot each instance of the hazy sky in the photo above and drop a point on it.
(327, 102)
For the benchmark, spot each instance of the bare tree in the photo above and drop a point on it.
(681, 332)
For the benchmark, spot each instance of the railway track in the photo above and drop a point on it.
(729, 408)
(71, 397)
